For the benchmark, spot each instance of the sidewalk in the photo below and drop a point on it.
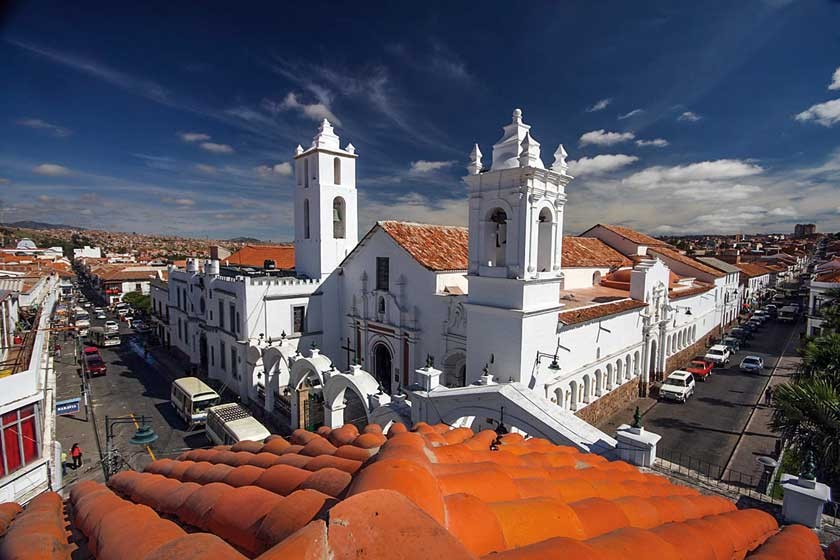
(78, 428)
(757, 439)
(625, 415)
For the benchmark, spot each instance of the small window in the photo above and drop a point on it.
(138, 287)
(382, 273)
(212, 355)
(337, 171)
(238, 324)
(306, 219)
(222, 356)
(380, 306)
(221, 314)
(234, 328)
(299, 319)
(234, 368)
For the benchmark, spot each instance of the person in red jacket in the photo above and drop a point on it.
(76, 454)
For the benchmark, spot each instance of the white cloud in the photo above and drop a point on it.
(4, 181)
(414, 207)
(315, 111)
(600, 105)
(178, 201)
(603, 138)
(717, 170)
(835, 80)
(632, 113)
(284, 169)
(600, 164)
(217, 148)
(826, 114)
(194, 136)
(51, 170)
(787, 211)
(204, 168)
(54, 129)
(689, 116)
(656, 143)
(423, 166)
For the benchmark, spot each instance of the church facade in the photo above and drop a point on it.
(585, 322)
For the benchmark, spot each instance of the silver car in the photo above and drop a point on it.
(752, 364)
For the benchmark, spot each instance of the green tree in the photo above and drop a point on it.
(139, 301)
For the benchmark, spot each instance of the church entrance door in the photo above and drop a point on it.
(382, 366)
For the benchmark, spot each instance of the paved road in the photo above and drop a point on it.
(131, 386)
(703, 432)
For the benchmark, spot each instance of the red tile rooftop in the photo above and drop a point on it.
(431, 493)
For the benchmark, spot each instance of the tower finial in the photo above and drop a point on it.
(298, 150)
(560, 156)
(517, 115)
(530, 154)
(475, 165)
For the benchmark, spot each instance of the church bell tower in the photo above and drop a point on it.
(515, 247)
(326, 219)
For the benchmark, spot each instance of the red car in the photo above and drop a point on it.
(700, 368)
(94, 362)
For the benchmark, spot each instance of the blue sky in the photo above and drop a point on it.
(181, 118)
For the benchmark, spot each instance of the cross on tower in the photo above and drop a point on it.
(349, 349)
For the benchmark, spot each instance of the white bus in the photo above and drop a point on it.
(191, 398)
(99, 337)
(787, 314)
(230, 423)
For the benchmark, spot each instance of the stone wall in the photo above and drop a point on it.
(610, 403)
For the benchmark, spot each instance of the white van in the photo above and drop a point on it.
(230, 423)
(100, 337)
(191, 398)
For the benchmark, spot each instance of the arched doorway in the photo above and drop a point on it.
(455, 370)
(652, 360)
(355, 411)
(382, 366)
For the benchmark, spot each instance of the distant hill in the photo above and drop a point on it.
(27, 224)
(245, 240)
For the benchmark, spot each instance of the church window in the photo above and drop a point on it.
(306, 173)
(337, 171)
(596, 278)
(298, 319)
(306, 219)
(496, 238)
(221, 314)
(339, 214)
(546, 223)
(382, 273)
(222, 356)
(380, 306)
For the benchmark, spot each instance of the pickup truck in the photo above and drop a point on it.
(700, 369)
(718, 355)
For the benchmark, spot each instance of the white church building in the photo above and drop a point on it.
(428, 321)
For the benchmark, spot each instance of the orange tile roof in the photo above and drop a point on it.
(688, 261)
(751, 270)
(697, 288)
(584, 314)
(591, 252)
(256, 255)
(431, 493)
(438, 248)
(632, 235)
(830, 276)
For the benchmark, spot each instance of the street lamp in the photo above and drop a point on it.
(144, 435)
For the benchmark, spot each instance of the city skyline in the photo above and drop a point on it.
(709, 118)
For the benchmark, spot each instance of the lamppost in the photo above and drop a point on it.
(144, 435)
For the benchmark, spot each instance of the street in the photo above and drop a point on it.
(131, 387)
(704, 432)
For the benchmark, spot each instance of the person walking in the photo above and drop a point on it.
(76, 454)
(63, 463)
(768, 395)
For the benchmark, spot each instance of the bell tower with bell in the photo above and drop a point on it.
(326, 219)
(515, 247)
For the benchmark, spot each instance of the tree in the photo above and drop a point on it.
(821, 360)
(139, 301)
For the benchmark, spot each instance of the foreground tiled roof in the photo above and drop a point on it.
(438, 248)
(256, 255)
(584, 314)
(675, 255)
(632, 235)
(435, 493)
(591, 252)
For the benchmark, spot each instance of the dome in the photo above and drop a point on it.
(26, 244)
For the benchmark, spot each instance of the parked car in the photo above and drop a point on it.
(718, 355)
(772, 310)
(112, 327)
(700, 368)
(755, 323)
(752, 364)
(94, 362)
(732, 342)
(101, 315)
(137, 323)
(678, 386)
(742, 334)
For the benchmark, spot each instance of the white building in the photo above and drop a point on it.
(583, 323)
(87, 252)
(822, 291)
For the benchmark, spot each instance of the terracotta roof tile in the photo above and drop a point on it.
(698, 288)
(584, 314)
(438, 248)
(831, 276)
(688, 261)
(256, 255)
(633, 235)
(430, 493)
(591, 252)
(752, 270)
